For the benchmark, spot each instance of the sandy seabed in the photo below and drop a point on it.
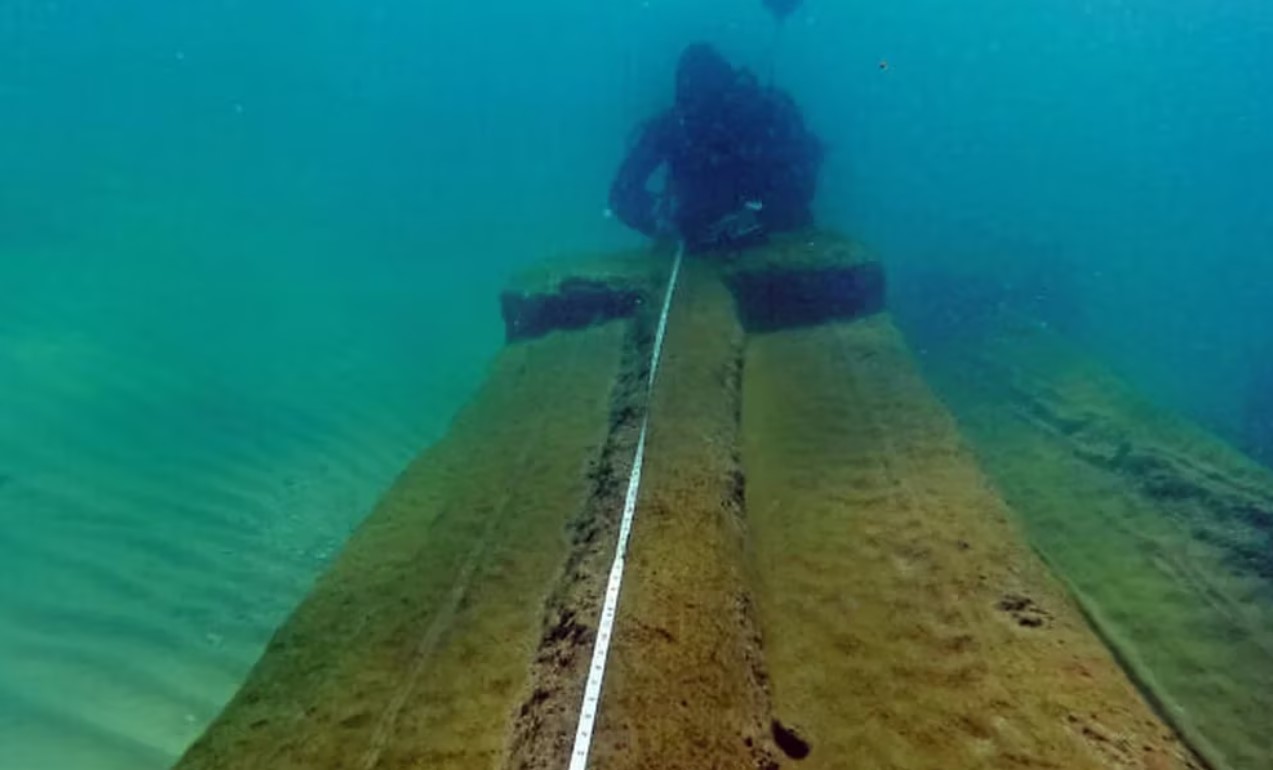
(159, 520)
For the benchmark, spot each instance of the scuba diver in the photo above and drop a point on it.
(740, 162)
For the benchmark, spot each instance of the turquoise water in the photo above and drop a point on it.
(250, 252)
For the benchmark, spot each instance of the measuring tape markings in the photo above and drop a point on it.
(605, 627)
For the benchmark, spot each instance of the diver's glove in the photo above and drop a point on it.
(737, 226)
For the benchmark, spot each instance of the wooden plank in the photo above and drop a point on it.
(907, 624)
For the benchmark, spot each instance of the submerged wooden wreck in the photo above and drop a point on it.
(819, 573)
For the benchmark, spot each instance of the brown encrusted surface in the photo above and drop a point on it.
(1163, 531)
(807, 250)
(859, 598)
(804, 279)
(685, 686)
(797, 279)
(906, 622)
(413, 650)
(574, 294)
(545, 723)
(629, 269)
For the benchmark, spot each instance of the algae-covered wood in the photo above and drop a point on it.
(686, 685)
(907, 624)
(818, 571)
(574, 294)
(414, 649)
(1163, 532)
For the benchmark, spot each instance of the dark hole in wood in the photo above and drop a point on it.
(790, 741)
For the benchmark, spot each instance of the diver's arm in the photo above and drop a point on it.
(630, 199)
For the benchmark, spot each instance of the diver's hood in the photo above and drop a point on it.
(703, 76)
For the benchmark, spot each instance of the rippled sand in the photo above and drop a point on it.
(177, 462)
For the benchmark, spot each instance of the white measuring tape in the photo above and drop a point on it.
(605, 628)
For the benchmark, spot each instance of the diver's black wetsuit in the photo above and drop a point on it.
(740, 161)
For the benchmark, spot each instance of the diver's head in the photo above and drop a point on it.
(702, 76)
